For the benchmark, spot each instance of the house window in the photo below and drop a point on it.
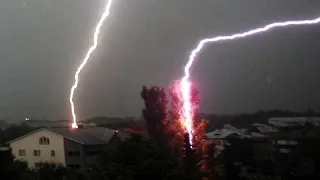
(22, 152)
(73, 153)
(93, 153)
(76, 153)
(44, 141)
(90, 153)
(70, 153)
(36, 152)
(53, 153)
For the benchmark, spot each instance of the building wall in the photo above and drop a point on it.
(90, 158)
(86, 159)
(31, 143)
(74, 160)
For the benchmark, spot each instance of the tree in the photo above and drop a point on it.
(155, 113)
(51, 171)
(195, 155)
(138, 158)
(191, 168)
(10, 169)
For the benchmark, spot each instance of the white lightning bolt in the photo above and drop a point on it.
(185, 83)
(85, 60)
(240, 35)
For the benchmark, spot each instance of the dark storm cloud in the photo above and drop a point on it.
(148, 42)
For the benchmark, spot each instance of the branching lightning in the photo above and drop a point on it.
(185, 82)
(85, 60)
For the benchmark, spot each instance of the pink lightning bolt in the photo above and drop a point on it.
(85, 60)
(186, 84)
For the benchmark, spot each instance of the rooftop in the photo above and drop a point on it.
(229, 130)
(293, 121)
(87, 136)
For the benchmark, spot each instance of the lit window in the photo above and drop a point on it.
(36, 152)
(44, 141)
(22, 152)
(53, 153)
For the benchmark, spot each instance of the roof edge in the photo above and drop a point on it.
(38, 130)
(21, 137)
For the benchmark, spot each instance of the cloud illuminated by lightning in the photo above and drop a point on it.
(85, 60)
(185, 82)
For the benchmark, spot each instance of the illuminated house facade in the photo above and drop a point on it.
(72, 148)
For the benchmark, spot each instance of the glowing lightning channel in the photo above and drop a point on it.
(186, 84)
(85, 60)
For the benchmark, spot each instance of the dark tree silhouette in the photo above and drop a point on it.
(10, 169)
(155, 112)
(51, 171)
(139, 158)
(190, 160)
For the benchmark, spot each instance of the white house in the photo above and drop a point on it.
(69, 147)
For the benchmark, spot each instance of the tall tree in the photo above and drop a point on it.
(176, 129)
(155, 112)
(195, 155)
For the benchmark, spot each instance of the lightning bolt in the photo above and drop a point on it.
(85, 60)
(185, 82)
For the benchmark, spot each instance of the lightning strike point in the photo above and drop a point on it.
(74, 126)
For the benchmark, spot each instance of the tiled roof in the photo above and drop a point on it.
(228, 131)
(88, 136)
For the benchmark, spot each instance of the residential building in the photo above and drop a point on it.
(69, 147)
(293, 121)
(261, 142)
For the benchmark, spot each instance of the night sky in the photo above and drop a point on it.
(146, 42)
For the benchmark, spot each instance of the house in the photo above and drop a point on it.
(264, 129)
(297, 139)
(228, 130)
(285, 122)
(69, 147)
(219, 138)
